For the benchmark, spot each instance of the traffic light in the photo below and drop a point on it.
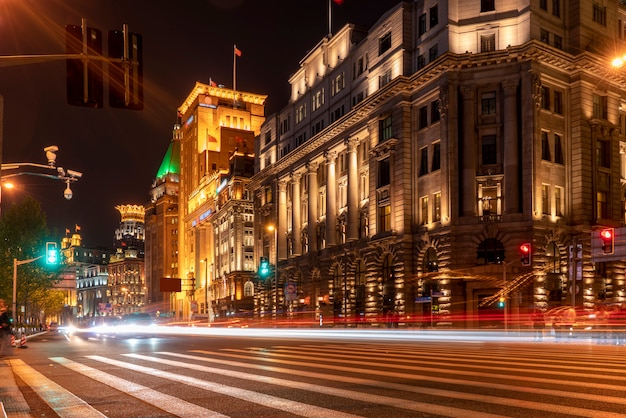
(52, 253)
(501, 302)
(264, 268)
(526, 251)
(125, 69)
(84, 75)
(608, 240)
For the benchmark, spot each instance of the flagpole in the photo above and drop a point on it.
(234, 74)
(330, 30)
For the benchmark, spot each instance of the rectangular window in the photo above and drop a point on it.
(603, 154)
(421, 62)
(433, 53)
(423, 161)
(424, 211)
(556, 8)
(600, 107)
(422, 24)
(545, 199)
(488, 103)
(268, 137)
(384, 218)
(602, 205)
(384, 79)
(543, 4)
(434, 111)
(545, 146)
(318, 99)
(487, 5)
(599, 13)
(557, 41)
(437, 207)
(545, 98)
(488, 42)
(384, 173)
(423, 117)
(545, 36)
(558, 149)
(436, 165)
(489, 155)
(384, 129)
(558, 102)
(558, 200)
(434, 16)
(384, 43)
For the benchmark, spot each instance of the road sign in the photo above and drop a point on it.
(422, 299)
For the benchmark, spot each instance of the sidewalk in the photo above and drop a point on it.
(12, 402)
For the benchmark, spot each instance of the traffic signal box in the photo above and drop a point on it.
(607, 235)
(85, 72)
(526, 253)
(264, 268)
(52, 253)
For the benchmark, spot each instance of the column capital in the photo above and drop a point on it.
(330, 156)
(312, 167)
(510, 86)
(352, 144)
(468, 92)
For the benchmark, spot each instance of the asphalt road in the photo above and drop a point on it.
(284, 373)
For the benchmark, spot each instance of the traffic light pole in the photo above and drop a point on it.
(16, 263)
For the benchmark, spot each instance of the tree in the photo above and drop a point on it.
(23, 234)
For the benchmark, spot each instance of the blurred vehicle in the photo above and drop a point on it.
(97, 327)
(53, 326)
(136, 324)
(570, 322)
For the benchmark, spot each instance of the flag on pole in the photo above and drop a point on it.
(237, 51)
(67, 231)
(338, 2)
(77, 227)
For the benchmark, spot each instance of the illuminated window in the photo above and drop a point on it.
(424, 210)
(437, 207)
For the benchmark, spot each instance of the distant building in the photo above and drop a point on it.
(161, 224)
(84, 278)
(127, 279)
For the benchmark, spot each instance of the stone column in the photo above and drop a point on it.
(313, 200)
(282, 220)
(296, 224)
(353, 191)
(331, 199)
(511, 143)
(468, 186)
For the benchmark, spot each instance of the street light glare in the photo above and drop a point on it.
(271, 228)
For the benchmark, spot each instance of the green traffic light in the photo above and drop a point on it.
(264, 268)
(52, 253)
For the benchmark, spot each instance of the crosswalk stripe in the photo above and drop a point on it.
(161, 400)
(62, 401)
(421, 390)
(433, 378)
(482, 359)
(326, 390)
(345, 359)
(293, 407)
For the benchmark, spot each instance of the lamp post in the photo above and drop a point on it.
(207, 293)
(275, 230)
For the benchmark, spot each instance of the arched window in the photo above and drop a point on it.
(430, 261)
(248, 289)
(389, 288)
(490, 251)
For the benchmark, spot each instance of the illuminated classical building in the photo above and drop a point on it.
(127, 278)
(414, 158)
(218, 128)
(161, 224)
(84, 278)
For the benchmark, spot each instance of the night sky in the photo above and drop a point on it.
(184, 41)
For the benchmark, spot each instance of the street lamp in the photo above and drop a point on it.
(275, 230)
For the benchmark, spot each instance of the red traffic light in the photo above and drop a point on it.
(606, 234)
(525, 248)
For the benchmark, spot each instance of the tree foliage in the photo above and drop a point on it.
(23, 234)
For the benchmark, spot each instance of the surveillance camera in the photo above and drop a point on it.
(51, 148)
(67, 193)
(75, 174)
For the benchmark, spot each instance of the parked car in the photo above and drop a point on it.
(53, 326)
